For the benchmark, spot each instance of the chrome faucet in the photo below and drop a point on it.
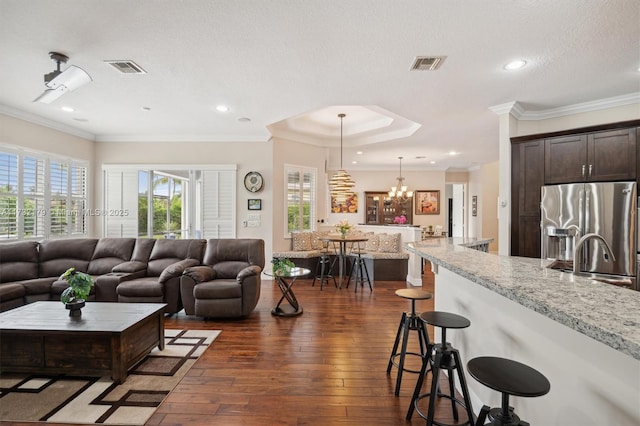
(577, 251)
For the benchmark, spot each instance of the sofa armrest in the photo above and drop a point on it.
(249, 271)
(175, 270)
(200, 274)
(130, 267)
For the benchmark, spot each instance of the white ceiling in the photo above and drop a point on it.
(274, 60)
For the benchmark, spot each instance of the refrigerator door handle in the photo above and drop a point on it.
(587, 221)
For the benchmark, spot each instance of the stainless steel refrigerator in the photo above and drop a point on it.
(604, 208)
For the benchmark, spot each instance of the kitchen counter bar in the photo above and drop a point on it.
(583, 335)
(603, 312)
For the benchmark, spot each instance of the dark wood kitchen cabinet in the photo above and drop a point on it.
(558, 157)
(600, 156)
(527, 168)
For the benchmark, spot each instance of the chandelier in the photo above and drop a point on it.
(399, 193)
(341, 185)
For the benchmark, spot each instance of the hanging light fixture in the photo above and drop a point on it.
(341, 184)
(399, 193)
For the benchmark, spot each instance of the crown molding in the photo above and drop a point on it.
(515, 109)
(178, 138)
(45, 122)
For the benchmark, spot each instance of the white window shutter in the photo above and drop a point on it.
(120, 203)
(218, 204)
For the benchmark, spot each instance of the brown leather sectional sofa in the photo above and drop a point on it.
(211, 278)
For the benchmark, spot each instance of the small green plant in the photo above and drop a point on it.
(79, 286)
(282, 265)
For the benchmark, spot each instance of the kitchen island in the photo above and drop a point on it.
(583, 335)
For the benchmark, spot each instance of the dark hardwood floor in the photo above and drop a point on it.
(324, 367)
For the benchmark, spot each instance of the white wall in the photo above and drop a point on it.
(382, 181)
(483, 183)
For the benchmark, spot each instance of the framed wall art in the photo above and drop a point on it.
(427, 202)
(254, 204)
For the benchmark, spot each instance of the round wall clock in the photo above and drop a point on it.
(253, 181)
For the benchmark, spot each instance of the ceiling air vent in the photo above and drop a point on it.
(427, 63)
(127, 67)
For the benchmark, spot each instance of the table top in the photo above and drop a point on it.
(347, 239)
(291, 273)
(96, 316)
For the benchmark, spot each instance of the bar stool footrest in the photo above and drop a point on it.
(435, 422)
(395, 364)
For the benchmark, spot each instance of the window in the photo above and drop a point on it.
(300, 201)
(170, 202)
(41, 196)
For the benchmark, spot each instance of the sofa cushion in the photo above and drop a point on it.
(56, 256)
(38, 285)
(389, 243)
(110, 252)
(18, 261)
(247, 250)
(301, 241)
(373, 243)
(317, 242)
(9, 291)
(141, 287)
(168, 252)
(218, 289)
(229, 269)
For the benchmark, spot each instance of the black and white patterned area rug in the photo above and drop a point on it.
(66, 399)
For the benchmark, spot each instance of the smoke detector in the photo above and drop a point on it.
(126, 66)
(427, 63)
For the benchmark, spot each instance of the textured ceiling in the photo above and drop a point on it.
(274, 60)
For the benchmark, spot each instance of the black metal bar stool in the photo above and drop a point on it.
(510, 378)
(359, 268)
(324, 269)
(409, 321)
(444, 357)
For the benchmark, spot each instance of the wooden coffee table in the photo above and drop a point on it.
(108, 338)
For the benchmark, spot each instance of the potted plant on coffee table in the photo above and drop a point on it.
(76, 294)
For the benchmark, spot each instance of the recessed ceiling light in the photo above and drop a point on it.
(432, 162)
(452, 153)
(67, 109)
(359, 152)
(354, 162)
(244, 119)
(222, 108)
(515, 65)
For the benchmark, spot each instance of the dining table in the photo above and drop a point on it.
(343, 245)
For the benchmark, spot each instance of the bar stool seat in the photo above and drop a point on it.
(444, 357)
(410, 321)
(509, 378)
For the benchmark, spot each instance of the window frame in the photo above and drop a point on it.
(313, 196)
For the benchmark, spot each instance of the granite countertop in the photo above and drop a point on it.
(604, 312)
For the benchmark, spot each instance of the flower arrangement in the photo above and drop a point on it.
(281, 266)
(402, 219)
(343, 227)
(79, 286)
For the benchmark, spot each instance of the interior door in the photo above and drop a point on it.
(457, 215)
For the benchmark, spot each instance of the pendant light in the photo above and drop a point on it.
(341, 184)
(399, 193)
